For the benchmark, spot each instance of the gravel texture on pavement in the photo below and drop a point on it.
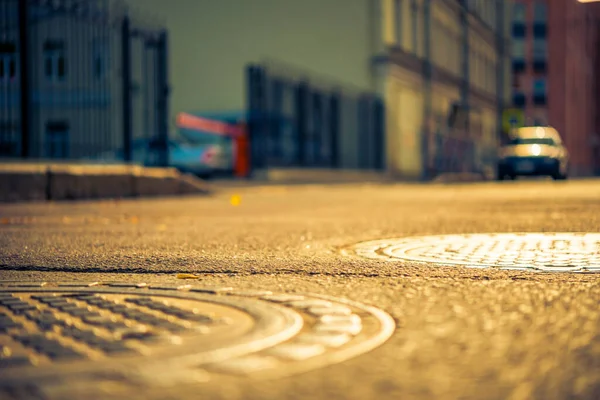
(461, 333)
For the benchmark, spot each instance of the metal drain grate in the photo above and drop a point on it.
(556, 252)
(55, 334)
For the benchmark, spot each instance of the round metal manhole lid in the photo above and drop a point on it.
(555, 252)
(63, 337)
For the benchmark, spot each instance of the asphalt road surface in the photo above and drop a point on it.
(461, 333)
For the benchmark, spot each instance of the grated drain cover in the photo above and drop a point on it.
(555, 252)
(63, 337)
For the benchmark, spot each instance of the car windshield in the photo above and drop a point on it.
(542, 141)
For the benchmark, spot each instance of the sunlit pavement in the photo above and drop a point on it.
(460, 332)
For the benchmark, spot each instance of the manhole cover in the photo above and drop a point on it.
(558, 252)
(62, 337)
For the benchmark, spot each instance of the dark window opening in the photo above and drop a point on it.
(539, 99)
(540, 30)
(98, 67)
(519, 100)
(9, 139)
(518, 30)
(57, 139)
(12, 68)
(48, 67)
(55, 65)
(61, 67)
(539, 66)
(100, 57)
(8, 61)
(518, 65)
(54, 45)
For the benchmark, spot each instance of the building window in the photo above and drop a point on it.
(406, 26)
(540, 54)
(540, 49)
(398, 20)
(518, 55)
(519, 13)
(57, 139)
(519, 100)
(540, 12)
(539, 91)
(518, 66)
(55, 68)
(414, 15)
(518, 30)
(540, 31)
(9, 139)
(518, 49)
(539, 20)
(100, 58)
(518, 23)
(8, 62)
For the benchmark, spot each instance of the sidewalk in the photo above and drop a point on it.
(303, 176)
(21, 181)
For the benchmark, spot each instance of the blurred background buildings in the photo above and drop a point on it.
(414, 88)
(555, 51)
(441, 68)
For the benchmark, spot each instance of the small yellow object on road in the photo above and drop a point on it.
(187, 276)
(235, 200)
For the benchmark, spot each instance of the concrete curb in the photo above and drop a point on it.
(39, 182)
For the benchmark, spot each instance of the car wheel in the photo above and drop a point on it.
(500, 175)
(558, 176)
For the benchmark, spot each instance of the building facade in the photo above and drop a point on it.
(77, 79)
(425, 58)
(555, 73)
(442, 55)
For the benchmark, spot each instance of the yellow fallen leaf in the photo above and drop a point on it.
(187, 276)
(134, 220)
(235, 200)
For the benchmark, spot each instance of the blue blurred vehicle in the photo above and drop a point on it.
(202, 159)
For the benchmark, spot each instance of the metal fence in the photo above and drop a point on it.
(81, 80)
(455, 144)
(296, 119)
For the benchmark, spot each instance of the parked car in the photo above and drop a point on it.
(532, 151)
(200, 159)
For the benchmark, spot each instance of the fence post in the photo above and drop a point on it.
(24, 75)
(163, 99)
(466, 87)
(257, 123)
(428, 167)
(127, 99)
(251, 113)
(334, 128)
(301, 122)
(500, 65)
(379, 134)
(364, 131)
(316, 110)
(275, 118)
